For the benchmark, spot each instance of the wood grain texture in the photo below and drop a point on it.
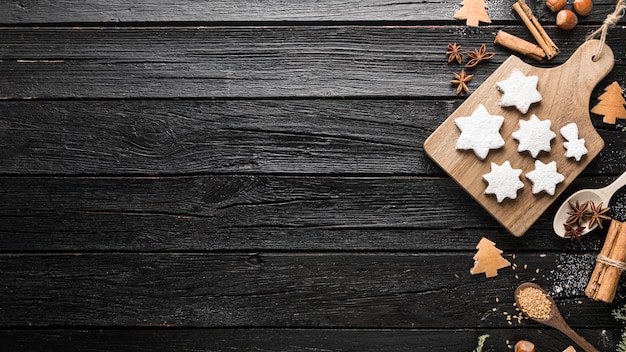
(360, 290)
(155, 137)
(249, 175)
(557, 106)
(117, 11)
(249, 62)
(165, 137)
(259, 213)
(288, 340)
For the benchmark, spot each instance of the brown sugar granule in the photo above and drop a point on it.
(534, 303)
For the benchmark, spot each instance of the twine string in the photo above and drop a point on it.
(610, 21)
(612, 262)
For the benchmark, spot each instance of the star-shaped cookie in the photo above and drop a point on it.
(534, 135)
(545, 177)
(480, 132)
(519, 91)
(503, 181)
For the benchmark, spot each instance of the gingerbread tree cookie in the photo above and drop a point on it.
(611, 104)
(488, 259)
(473, 11)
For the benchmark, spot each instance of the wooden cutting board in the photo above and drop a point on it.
(565, 92)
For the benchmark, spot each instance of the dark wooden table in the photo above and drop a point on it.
(249, 175)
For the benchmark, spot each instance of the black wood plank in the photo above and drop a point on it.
(151, 137)
(260, 213)
(251, 226)
(430, 290)
(293, 340)
(117, 11)
(255, 62)
(235, 136)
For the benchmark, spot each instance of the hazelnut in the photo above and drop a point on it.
(566, 19)
(524, 346)
(583, 7)
(556, 5)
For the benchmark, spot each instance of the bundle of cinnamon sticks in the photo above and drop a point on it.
(611, 262)
(546, 47)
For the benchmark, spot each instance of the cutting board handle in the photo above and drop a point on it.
(582, 68)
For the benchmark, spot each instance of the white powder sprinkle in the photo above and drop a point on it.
(571, 277)
(618, 205)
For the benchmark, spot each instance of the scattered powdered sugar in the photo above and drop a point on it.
(467, 32)
(617, 154)
(618, 205)
(605, 338)
(571, 275)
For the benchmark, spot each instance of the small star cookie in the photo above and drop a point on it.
(534, 135)
(480, 132)
(545, 177)
(574, 147)
(503, 181)
(519, 91)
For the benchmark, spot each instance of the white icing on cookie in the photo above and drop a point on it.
(574, 147)
(480, 132)
(534, 135)
(519, 91)
(545, 177)
(570, 131)
(503, 181)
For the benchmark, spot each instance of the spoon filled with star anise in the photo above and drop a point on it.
(585, 210)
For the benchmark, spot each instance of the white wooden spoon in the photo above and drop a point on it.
(597, 196)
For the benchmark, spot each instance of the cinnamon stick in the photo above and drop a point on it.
(605, 277)
(536, 29)
(519, 45)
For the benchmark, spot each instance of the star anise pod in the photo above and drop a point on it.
(454, 53)
(461, 81)
(573, 232)
(597, 215)
(578, 213)
(478, 55)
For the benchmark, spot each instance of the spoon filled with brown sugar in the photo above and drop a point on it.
(537, 304)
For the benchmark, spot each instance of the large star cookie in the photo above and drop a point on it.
(519, 91)
(534, 135)
(503, 181)
(545, 177)
(574, 147)
(480, 132)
